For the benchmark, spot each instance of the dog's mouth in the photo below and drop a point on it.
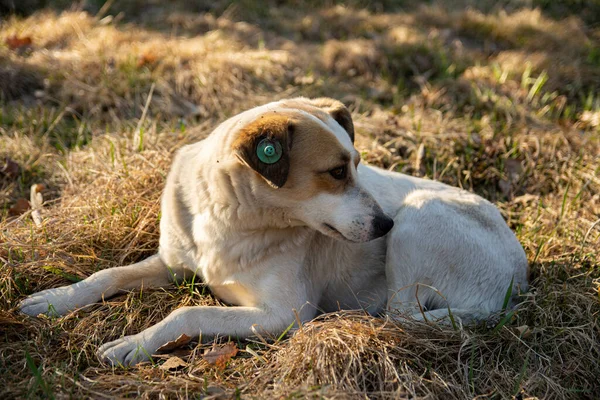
(334, 232)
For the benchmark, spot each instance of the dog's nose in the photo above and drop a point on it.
(382, 224)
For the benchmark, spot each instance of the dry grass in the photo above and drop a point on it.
(501, 100)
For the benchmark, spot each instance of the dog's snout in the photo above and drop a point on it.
(382, 224)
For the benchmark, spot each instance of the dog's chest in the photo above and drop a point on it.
(225, 254)
(350, 275)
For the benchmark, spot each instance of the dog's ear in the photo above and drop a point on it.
(338, 111)
(264, 145)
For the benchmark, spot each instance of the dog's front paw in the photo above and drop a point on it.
(53, 302)
(126, 351)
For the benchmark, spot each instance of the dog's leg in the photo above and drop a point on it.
(206, 322)
(150, 272)
(278, 295)
(447, 316)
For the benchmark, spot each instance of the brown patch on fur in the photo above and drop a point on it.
(315, 152)
(273, 126)
(310, 150)
(324, 183)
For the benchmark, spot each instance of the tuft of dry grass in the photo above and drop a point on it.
(498, 98)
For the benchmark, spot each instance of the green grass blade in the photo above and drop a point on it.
(39, 379)
(503, 322)
(285, 331)
(62, 274)
(451, 316)
(508, 294)
(521, 375)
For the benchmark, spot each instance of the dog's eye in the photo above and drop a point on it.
(338, 173)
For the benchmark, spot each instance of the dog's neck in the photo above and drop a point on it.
(226, 193)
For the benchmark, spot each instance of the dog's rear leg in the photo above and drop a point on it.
(150, 272)
(447, 316)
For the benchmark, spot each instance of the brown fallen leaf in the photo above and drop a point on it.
(15, 42)
(21, 206)
(181, 353)
(182, 340)
(525, 331)
(173, 363)
(146, 59)
(220, 355)
(10, 169)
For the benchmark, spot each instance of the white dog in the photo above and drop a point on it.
(276, 214)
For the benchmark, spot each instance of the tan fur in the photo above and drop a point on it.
(314, 154)
(314, 151)
(276, 123)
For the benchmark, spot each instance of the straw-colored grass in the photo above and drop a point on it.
(503, 101)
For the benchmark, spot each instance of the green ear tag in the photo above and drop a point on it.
(268, 151)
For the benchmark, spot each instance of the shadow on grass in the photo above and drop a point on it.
(399, 47)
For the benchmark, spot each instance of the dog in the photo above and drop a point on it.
(275, 213)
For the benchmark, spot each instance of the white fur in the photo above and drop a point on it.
(269, 256)
(351, 214)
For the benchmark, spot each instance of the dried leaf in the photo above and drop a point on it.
(20, 207)
(146, 59)
(221, 354)
(181, 353)
(10, 169)
(36, 200)
(180, 341)
(173, 363)
(524, 331)
(420, 160)
(15, 42)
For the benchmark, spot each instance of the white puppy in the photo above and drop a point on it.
(275, 213)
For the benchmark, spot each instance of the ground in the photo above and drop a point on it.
(500, 98)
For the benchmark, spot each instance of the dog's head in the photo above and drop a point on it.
(302, 159)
